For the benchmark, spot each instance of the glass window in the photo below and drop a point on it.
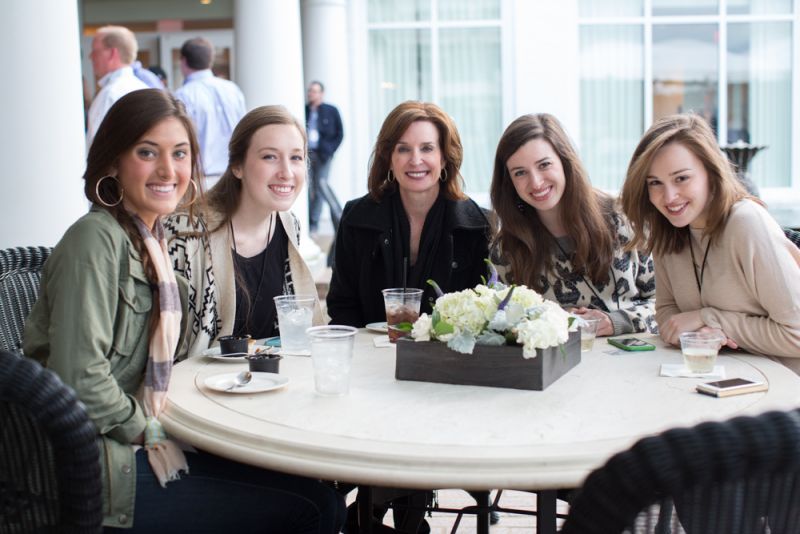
(610, 8)
(685, 70)
(470, 91)
(760, 96)
(685, 7)
(392, 11)
(399, 70)
(612, 100)
(759, 7)
(472, 10)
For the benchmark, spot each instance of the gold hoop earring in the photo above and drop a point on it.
(389, 176)
(196, 194)
(443, 173)
(100, 199)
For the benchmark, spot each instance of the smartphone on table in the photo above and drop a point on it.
(731, 386)
(631, 343)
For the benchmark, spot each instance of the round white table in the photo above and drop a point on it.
(420, 435)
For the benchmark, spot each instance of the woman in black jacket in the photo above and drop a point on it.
(415, 212)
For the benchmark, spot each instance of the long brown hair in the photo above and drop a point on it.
(126, 122)
(585, 213)
(225, 196)
(652, 231)
(393, 128)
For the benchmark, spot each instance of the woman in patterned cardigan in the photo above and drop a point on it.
(563, 238)
(244, 251)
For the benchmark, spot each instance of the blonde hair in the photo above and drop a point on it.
(652, 231)
(122, 39)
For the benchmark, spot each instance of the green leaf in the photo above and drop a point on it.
(403, 327)
(443, 328)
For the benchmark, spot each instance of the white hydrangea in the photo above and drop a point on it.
(472, 316)
(546, 326)
(421, 331)
(462, 311)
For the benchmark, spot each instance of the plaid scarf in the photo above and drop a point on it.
(166, 459)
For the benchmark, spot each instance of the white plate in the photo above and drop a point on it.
(260, 382)
(239, 358)
(380, 328)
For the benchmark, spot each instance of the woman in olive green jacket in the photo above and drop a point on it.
(110, 311)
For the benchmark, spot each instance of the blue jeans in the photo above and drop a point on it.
(318, 175)
(220, 495)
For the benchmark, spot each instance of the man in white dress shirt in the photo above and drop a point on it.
(215, 105)
(114, 49)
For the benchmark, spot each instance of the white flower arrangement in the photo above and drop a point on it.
(495, 314)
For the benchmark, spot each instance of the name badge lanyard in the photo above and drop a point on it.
(699, 279)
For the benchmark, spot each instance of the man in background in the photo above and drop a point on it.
(214, 104)
(114, 50)
(325, 133)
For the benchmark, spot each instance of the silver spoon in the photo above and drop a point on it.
(242, 379)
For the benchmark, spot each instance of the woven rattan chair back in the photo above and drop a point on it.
(49, 458)
(733, 477)
(20, 271)
(793, 235)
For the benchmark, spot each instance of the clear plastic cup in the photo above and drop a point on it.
(331, 356)
(588, 334)
(700, 350)
(402, 306)
(295, 314)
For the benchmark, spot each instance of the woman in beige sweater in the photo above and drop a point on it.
(721, 260)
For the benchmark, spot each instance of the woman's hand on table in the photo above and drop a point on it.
(604, 325)
(730, 343)
(680, 323)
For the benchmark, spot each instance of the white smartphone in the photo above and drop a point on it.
(731, 386)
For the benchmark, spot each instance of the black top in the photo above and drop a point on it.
(262, 276)
(370, 247)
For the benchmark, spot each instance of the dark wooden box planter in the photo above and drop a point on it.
(502, 367)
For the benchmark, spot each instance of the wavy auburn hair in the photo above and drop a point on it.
(393, 128)
(586, 214)
(653, 231)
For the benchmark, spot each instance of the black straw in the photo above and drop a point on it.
(405, 275)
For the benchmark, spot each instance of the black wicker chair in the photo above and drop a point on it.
(20, 271)
(736, 477)
(793, 235)
(49, 458)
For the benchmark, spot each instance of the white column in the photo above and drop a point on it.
(546, 61)
(326, 58)
(42, 143)
(269, 70)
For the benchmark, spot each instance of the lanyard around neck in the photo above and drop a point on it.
(699, 279)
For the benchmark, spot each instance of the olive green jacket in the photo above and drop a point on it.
(90, 326)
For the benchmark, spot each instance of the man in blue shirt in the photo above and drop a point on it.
(325, 133)
(214, 104)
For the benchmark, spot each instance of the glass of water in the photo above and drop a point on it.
(295, 313)
(331, 355)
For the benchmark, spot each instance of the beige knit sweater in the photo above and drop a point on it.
(751, 285)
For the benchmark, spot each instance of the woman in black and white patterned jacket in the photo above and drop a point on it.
(563, 238)
(245, 250)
